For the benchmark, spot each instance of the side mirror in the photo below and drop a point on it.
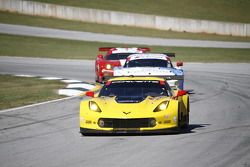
(181, 93)
(90, 94)
(179, 63)
(100, 56)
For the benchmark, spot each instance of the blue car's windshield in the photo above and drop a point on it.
(149, 63)
(135, 90)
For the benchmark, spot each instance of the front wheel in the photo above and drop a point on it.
(185, 126)
(96, 80)
(99, 79)
(179, 119)
(187, 116)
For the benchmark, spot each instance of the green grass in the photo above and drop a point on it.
(19, 91)
(11, 45)
(14, 18)
(221, 10)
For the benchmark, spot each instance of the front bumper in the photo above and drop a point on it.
(85, 131)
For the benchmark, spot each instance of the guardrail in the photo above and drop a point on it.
(124, 18)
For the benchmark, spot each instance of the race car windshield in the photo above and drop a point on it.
(149, 63)
(134, 91)
(117, 56)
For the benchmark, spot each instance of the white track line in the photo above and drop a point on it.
(51, 78)
(71, 81)
(81, 85)
(24, 75)
(70, 92)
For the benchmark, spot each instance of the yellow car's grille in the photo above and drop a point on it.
(127, 123)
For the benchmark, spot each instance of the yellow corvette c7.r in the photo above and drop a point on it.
(135, 105)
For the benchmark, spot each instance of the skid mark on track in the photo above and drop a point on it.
(229, 82)
(34, 121)
(38, 135)
(201, 96)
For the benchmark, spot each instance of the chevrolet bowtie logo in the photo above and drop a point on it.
(126, 113)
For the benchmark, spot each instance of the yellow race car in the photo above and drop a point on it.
(134, 105)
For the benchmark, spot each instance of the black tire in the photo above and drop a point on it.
(100, 82)
(96, 79)
(179, 119)
(187, 116)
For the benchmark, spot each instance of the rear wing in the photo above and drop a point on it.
(169, 54)
(106, 49)
(144, 49)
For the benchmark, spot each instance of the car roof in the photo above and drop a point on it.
(148, 56)
(126, 50)
(132, 78)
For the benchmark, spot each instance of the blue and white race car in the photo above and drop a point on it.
(152, 64)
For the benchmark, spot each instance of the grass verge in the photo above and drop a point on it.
(222, 10)
(14, 18)
(19, 91)
(13, 45)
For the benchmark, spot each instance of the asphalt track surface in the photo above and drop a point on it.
(48, 134)
(110, 38)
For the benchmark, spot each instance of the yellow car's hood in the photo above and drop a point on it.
(111, 108)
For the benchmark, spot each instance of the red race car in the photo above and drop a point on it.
(114, 57)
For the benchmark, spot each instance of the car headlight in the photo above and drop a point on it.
(108, 67)
(94, 107)
(161, 107)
